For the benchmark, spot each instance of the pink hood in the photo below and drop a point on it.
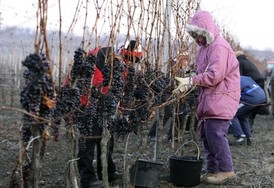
(203, 24)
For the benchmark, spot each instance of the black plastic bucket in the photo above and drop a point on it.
(185, 171)
(145, 173)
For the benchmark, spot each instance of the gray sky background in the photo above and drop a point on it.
(249, 20)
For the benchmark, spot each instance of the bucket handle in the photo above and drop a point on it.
(198, 155)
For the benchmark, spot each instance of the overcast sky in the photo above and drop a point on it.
(249, 20)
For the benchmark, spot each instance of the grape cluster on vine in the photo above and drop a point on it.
(81, 85)
(37, 85)
(128, 97)
(113, 77)
(112, 73)
(135, 103)
(158, 84)
(67, 101)
(89, 118)
(78, 59)
(141, 92)
(85, 117)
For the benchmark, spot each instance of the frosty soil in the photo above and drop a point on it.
(254, 165)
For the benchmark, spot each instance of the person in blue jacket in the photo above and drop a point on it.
(247, 68)
(252, 97)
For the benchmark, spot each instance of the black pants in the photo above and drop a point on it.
(85, 162)
(85, 167)
(167, 115)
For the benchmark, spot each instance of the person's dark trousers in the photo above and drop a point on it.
(217, 152)
(177, 128)
(84, 163)
(179, 122)
(240, 123)
(167, 115)
(152, 131)
(111, 165)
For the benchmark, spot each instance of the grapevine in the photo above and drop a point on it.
(34, 97)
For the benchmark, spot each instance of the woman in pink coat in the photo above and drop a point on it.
(218, 79)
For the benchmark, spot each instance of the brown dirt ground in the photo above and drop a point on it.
(254, 165)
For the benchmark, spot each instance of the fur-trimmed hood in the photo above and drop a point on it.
(203, 24)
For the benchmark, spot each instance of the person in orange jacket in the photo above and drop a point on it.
(88, 178)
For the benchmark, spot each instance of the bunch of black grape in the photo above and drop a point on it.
(82, 69)
(121, 126)
(67, 101)
(37, 85)
(140, 109)
(78, 59)
(109, 103)
(141, 90)
(113, 72)
(158, 84)
(87, 71)
(128, 97)
(88, 120)
(140, 114)
(149, 90)
(150, 75)
(135, 111)
(85, 118)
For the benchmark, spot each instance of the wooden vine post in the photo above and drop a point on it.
(104, 146)
(40, 42)
(36, 156)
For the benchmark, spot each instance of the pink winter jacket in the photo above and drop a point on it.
(218, 72)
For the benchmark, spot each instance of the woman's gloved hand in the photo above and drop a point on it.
(183, 84)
